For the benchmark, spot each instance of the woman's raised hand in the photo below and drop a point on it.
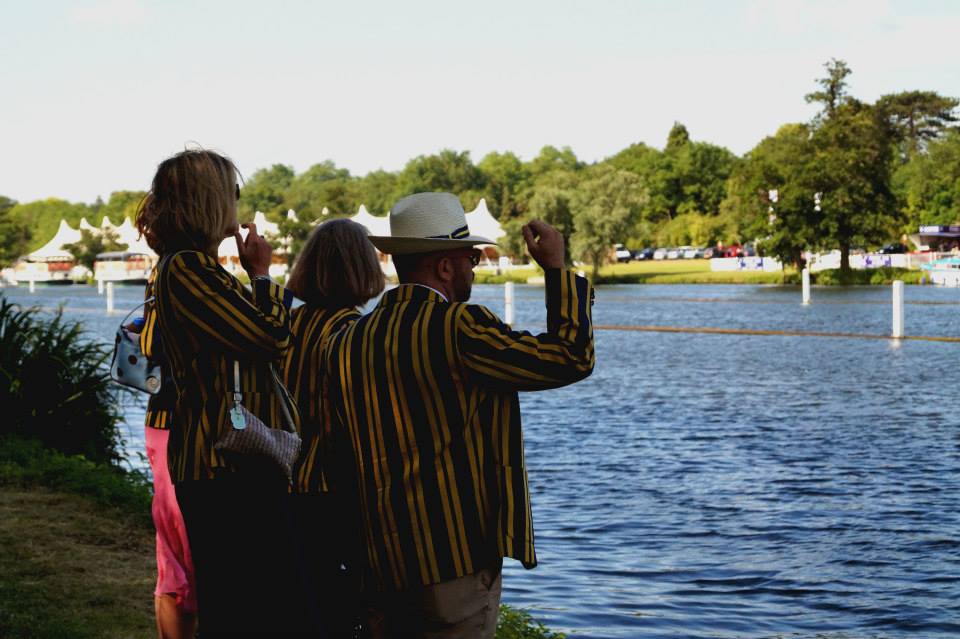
(255, 252)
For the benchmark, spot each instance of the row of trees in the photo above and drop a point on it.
(858, 174)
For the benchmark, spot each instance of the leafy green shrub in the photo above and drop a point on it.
(25, 462)
(518, 624)
(875, 276)
(55, 385)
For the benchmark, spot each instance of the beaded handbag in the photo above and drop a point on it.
(249, 437)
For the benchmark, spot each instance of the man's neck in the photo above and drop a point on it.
(436, 287)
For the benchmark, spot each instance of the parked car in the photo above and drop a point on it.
(623, 254)
(712, 251)
(644, 254)
(692, 252)
(674, 253)
(660, 254)
(893, 249)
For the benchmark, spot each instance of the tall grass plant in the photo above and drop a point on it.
(55, 385)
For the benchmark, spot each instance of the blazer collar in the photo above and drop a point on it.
(410, 293)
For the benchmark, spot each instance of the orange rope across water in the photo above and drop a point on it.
(751, 331)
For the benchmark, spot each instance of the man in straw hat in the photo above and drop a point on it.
(425, 389)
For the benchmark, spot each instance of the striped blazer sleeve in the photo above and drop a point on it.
(496, 355)
(159, 406)
(207, 298)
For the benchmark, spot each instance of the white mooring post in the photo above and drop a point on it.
(109, 297)
(898, 309)
(99, 286)
(33, 286)
(508, 302)
(806, 285)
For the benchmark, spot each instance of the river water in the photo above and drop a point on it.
(731, 486)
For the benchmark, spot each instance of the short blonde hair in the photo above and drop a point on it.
(190, 202)
(338, 267)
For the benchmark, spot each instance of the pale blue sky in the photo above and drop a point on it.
(95, 93)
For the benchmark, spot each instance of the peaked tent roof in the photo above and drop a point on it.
(482, 223)
(375, 225)
(53, 249)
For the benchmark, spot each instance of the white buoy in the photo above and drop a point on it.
(99, 286)
(508, 302)
(806, 286)
(33, 286)
(898, 309)
(109, 297)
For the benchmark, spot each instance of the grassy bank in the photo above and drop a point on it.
(698, 272)
(77, 550)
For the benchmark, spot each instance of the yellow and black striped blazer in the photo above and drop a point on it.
(206, 319)
(312, 326)
(426, 391)
(159, 406)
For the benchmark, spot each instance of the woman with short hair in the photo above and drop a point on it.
(236, 508)
(336, 273)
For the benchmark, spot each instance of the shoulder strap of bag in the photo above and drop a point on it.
(281, 396)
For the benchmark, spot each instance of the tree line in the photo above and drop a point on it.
(858, 174)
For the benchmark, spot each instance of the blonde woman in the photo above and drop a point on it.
(336, 273)
(237, 512)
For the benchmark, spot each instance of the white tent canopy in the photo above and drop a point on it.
(483, 224)
(265, 228)
(53, 250)
(375, 225)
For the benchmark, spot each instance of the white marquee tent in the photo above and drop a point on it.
(375, 225)
(483, 224)
(53, 250)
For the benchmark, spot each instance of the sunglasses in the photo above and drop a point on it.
(474, 258)
(238, 191)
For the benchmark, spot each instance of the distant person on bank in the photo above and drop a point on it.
(237, 515)
(425, 389)
(335, 274)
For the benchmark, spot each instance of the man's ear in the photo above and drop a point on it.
(443, 268)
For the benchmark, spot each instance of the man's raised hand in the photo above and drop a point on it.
(545, 244)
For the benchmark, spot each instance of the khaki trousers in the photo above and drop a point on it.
(466, 607)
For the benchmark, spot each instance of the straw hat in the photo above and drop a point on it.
(427, 222)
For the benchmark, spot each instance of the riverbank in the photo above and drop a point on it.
(77, 550)
(698, 272)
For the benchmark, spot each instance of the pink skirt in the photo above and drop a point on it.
(174, 566)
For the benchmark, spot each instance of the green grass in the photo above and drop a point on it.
(874, 277)
(681, 272)
(77, 554)
(25, 463)
(698, 272)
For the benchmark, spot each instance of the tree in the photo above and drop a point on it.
(122, 204)
(833, 87)
(928, 185)
(853, 158)
(92, 244)
(449, 171)
(677, 137)
(14, 234)
(43, 217)
(553, 159)
(377, 190)
(918, 117)
(553, 202)
(782, 165)
(323, 185)
(507, 185)
(605, 207)
(266, 191)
